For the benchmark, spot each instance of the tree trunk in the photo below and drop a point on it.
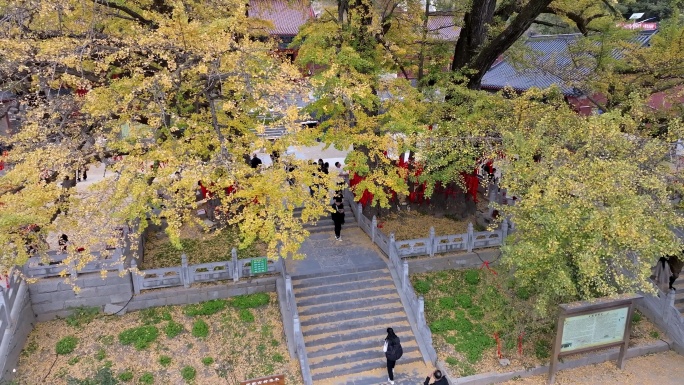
(474, 32)
(423, 42)
(473, 51)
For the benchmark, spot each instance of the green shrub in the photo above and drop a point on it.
(523, 293)
(250, 301)
(126, 376)
(447, 303)
(73, 360)
(542, 349)
(636, 318)
(200, 329)
(206, 308)
(464, 301)
(188, 373)
(277, 357)
(173, 329)
(472, 277)
(147, 378)
(246, 316)
(82, 315)
(476, 313)
(66, 345)
(452, 361)
(166, 315)
(140, 337)
(422, 287)
(654, 334)
(150, 316)
(164, 361)
(103, 376)
(207, 361)
(100, 355)
(275, 342)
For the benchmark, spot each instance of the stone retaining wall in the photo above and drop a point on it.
(182, 296)
(52, 298)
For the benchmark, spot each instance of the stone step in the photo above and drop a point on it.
(343, 336)
(328, 228)
(352, 304)
(380, 319)
(343, 287)
(359, 293)
(353, 355)
(353, 340)
(343, 276)
(356, 313)
(344, 368)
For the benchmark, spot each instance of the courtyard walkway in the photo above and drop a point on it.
(346, 299)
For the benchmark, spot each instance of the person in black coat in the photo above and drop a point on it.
(338, 217)
(392, 353)
(438, 377)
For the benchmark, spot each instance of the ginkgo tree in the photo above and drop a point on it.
(594, 210)
(175, 92)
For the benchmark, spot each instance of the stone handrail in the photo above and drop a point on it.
(432, 244)
(300, 349)
(185, 275)
(36, 267)
(10, 307)
(416, 303)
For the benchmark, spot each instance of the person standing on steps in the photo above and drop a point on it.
(438, 379)
(393, 352)
(338, 217)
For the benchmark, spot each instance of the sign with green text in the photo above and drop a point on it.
(259, 265)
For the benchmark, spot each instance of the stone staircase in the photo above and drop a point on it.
(344, 317)
(325, 223)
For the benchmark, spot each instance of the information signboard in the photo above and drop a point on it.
(259, 265)
(595, 329)
(589, 325)
(270, 380)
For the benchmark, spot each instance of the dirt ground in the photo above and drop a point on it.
(657, 369)
(240, 349)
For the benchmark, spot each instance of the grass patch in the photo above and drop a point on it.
(147, 378)
(207, 361)
(101, 354)
(173, 329)
(188, 373)
(164, 361)
(250, 301)
(466, 308)
(246, 316)
(125, 376)
(200, 329)
(141, 337)
(82, 315)
(66, 345)
(206, 308)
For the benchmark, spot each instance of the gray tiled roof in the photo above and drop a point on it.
(550, 63)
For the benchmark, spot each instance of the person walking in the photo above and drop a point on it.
(437, 379)
(393, 352)
(255, 162)
(338, 217)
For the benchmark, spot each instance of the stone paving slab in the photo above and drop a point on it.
(326, 255)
